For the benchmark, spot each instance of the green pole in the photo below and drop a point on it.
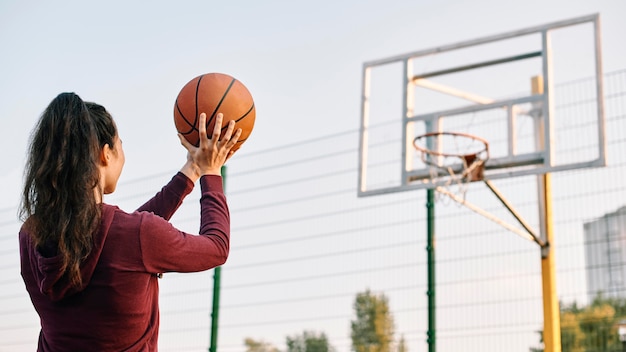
(216, 307)
(216, 290)
(430, 250)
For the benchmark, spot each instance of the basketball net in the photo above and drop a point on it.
(454, 164)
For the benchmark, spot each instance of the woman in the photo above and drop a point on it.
(90, 268)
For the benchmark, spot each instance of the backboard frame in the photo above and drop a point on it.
(514, 164)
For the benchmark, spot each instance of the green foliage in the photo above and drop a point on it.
(372, 331)
(402, 345)
(597, 323)
(572, 336)
(308, 342)
(619, 304)
(258, 346)
(591, 328)
(373, 328)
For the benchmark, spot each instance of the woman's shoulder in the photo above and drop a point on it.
(116, 216)
(120, 216)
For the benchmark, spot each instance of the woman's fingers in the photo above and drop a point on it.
(229, 130)
(217, 128)
(185, 143)
(202, 137)
(214, 144)
(211, 153)
(229, 139)
(232, 140)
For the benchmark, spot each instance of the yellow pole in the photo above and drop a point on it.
(551, 311)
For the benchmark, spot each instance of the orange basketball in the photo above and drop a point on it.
(212, 93)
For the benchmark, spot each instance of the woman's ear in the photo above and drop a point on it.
(105, 155)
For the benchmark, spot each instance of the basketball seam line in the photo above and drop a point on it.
(239, 119)
(193, 127)
(184, 118)
(195, 121)
(242, 116)
(220, 102)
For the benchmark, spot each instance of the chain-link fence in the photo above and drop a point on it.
(304, 245)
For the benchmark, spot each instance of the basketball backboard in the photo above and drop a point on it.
(503, 89)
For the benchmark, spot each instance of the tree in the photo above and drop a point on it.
(402, 345)
(258, 346)
(598, 325)
(572, 337)
(373, 328)
(591, 328)
(308, 341)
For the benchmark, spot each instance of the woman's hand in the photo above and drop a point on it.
(212, 153)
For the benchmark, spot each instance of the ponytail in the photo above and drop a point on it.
(59, 206)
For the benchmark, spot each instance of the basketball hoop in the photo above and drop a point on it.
(453, 157)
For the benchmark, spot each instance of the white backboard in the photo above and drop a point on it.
(484, 87)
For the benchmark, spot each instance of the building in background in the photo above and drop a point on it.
(605, 255)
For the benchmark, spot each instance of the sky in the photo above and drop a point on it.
(301, 60)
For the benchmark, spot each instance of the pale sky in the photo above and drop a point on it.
(302, 61)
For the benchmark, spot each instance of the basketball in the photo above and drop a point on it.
(214, 93)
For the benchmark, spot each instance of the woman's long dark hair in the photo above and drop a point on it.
(59, 205)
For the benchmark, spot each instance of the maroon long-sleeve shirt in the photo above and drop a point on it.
(116, 309)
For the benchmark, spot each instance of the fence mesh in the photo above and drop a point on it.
(303, 245)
